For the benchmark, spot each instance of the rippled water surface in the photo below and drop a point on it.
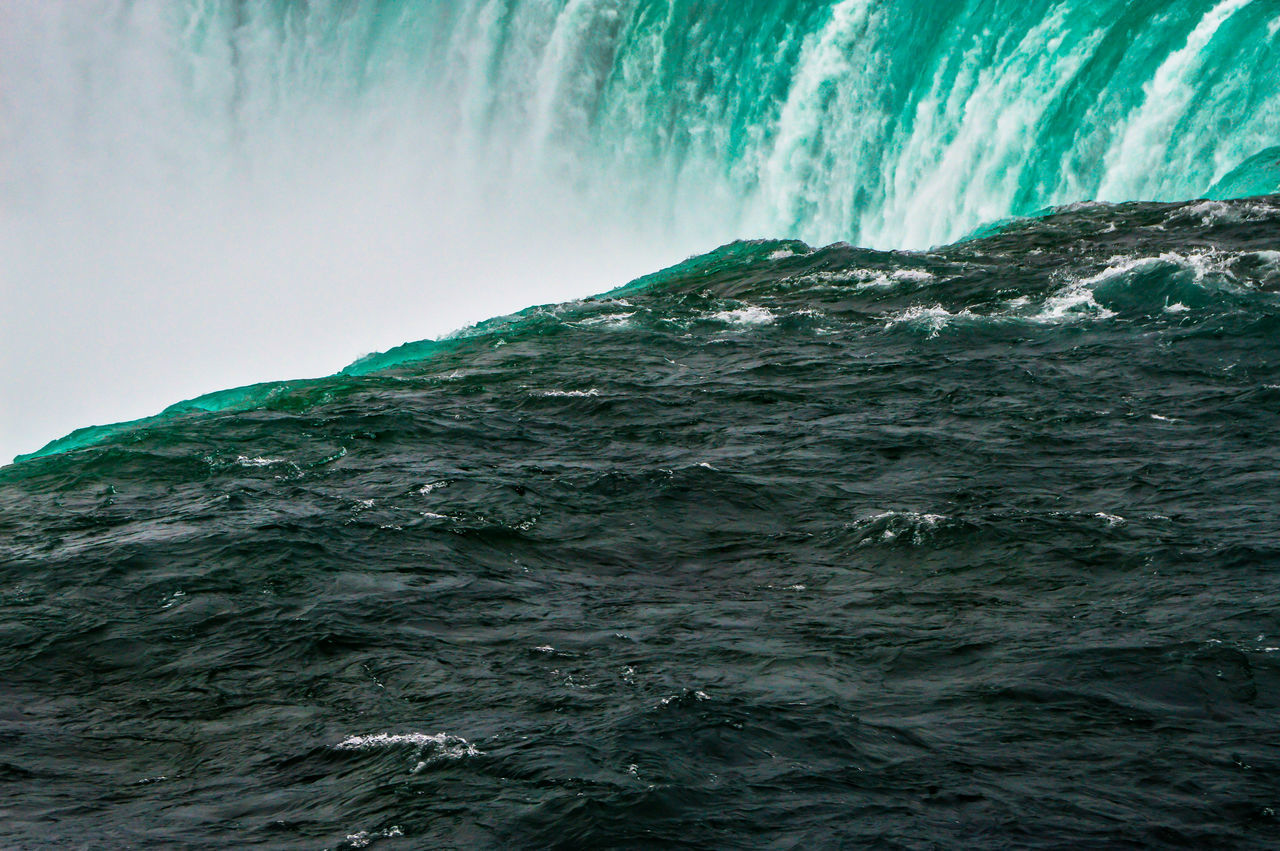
(780, 548)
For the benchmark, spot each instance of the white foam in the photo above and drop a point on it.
(750, 315)
(914, 275)
(866, 278)
(1270, 259)
(1210, 213)
(442, 745)
(897, 522)
(1073, 302)
(611, 320)
(1078, 300)
(363, 839)
(245, 461)
(933, 318)
(567, 394)
(698, 695)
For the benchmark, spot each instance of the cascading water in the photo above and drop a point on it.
(897, 124)
(233, 181)
(783, 545)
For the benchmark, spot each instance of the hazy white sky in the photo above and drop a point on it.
(113, 312)
(154, 246)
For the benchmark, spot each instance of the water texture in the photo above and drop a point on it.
(203, 194)
(782, 547)
(898, 124)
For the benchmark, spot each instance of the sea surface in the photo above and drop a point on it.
(783, 547)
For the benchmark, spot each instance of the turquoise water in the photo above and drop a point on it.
(935, 508)
(268, 190)
(889, 124)
(786, 547)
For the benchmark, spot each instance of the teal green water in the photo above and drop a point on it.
(901, 124)
(888, 123)
(962, 538)
(783, 548)
(892, 124)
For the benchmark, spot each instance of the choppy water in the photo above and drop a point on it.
(780, 548)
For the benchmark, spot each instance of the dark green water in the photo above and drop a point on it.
(781, 548)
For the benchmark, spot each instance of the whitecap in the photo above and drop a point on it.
(245, 461)
(567, 394)
(750, 315)
(698, 695)
(892, 525)
(1209, 213)
(866, 278)
(913, 275)
(1073, 302)
(363, 838)
(440, 745)
(932, 318)
(1270, 259)
(611, 320)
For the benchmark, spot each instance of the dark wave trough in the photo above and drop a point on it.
(782, 547)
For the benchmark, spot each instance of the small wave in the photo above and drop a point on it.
(688, 695)
(1269, 259)
(610, 320)
(914, 275)
(933, 319)
(750, 315)
(245, 461)
(865, 278)
(363, 838)
(1073, 302)
(567, 394)
(1200, 264)
(1169, 283)
(889, 526)
(1210, 213)
(428, 747)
